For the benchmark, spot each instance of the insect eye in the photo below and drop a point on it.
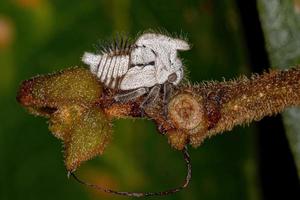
(172, 77)
(151, 63)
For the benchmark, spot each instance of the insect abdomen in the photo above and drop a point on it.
(112, 63)
(111, 68)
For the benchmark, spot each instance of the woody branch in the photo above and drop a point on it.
(200, 111)
(195, 112)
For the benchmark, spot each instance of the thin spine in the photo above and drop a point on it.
(106, 69)
(104, 66)
(110, 69)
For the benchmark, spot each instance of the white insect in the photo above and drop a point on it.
(139, 68)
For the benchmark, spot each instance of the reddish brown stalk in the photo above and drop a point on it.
(80, 110)
(195, 112)
(200, 111)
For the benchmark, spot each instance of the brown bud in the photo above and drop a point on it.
(177, 139)
(186, 112)
(89, 137)
(62, 120)
(70, 100)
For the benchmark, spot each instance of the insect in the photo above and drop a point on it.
(139, 68)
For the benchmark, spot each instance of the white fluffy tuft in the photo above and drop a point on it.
(92, 60)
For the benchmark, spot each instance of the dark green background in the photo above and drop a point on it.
(46, 36)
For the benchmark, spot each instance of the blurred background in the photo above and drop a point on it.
(43, 36)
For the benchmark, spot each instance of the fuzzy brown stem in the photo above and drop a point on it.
(200, 111)
(245, 100)
(195, 112)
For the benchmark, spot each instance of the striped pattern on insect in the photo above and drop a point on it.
(140, 67)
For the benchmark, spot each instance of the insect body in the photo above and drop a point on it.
(140, 68)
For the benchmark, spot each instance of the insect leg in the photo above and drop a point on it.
(166, 97)
(150, 99)
(131, 95)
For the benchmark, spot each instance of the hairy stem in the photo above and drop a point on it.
(200, 111)
(195, 112)
(224, 105)
(245, 100)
